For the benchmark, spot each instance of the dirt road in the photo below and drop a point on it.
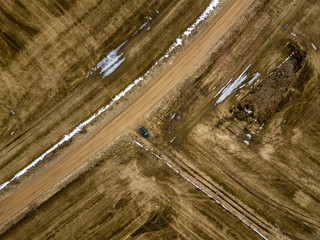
(68, 163)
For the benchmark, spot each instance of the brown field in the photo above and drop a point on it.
(46, 55)
(129, 194)
(256, 151)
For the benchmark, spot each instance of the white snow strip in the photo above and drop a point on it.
(261, 126)
(201, 189)
(222, 88)
(141, 27)
(171, 141)
(249, 135)
(78, 129)
(157, 11)
(246, 142)
(285, 60)
(282, 63)
(293, 34)
(110, 63)
(11, 133)
(314, 47)
(247, 110)
(233, 86)
(254, 78)
(213, 89)
(213, 4)
(10, 110)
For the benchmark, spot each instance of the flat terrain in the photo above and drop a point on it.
(48, 48)
(235, 129)
(130, 194)
(65, 165)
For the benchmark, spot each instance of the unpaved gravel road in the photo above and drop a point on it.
(67, 164)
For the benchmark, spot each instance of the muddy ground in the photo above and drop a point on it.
(256, 149)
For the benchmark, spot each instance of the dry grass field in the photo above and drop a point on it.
(257, 141)
(47, 49)
(238, 139)
(129, 194)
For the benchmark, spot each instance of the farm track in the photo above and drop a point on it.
(71, 161)
(216, 191)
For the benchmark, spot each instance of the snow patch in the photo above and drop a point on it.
(110, 63)
(282, 63)
(12, 133)
(246, 142)
(314, 47)
(247, 110)
(223, 88)
(249, 136)
(232, 87)
(254, 78)
(213, 4)
(171, 141)
(293, 34)
(261, 126)
(10, 110)
(113, 55)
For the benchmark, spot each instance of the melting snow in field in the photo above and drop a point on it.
(247, 110)
(110, 63)
(246, 142)
(108, 69)
(201, 189)
(12, 133)
(228, 89)
(203, 16)
(282, 63)
(293, 34)
(10, 110)
(254, 78)
(314, 47)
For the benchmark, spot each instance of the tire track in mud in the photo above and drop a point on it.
(237, 208)
(187, 169)
(256, 194)
(288, 177)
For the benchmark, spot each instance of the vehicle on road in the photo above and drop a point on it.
(144, 131)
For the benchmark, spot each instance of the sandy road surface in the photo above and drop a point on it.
(68, 163)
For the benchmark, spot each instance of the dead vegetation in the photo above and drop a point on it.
(47, 49)
(263, 164)
(129, 194)
(264, 100)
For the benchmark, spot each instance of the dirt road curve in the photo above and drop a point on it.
(126, 119)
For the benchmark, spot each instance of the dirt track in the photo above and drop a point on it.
(65, 165)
